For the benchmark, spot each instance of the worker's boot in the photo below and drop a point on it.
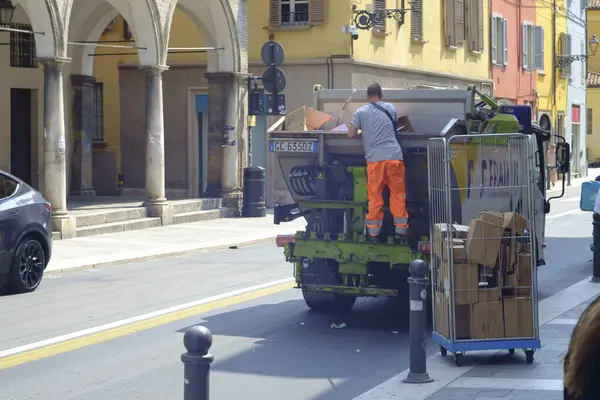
(373, 239)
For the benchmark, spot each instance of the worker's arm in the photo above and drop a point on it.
(354, 125)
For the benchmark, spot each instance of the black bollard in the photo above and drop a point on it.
(418, 322)
(596, 250)
(197, 341)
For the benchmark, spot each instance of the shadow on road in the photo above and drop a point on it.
(291, 341)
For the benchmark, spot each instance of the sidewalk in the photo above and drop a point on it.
(488, 376)
(592, 174)
(144, 244)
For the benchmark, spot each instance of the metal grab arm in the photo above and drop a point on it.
(285, 213)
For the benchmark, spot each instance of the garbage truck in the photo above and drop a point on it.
(324, 170)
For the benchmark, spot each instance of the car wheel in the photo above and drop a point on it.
(27, 267)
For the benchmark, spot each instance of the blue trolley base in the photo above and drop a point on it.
(459, 348)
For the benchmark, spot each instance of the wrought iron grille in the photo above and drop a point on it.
(98, 113)
(22, 47)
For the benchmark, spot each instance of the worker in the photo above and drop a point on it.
(385, 165)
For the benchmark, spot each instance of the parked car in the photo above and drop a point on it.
(25, 235)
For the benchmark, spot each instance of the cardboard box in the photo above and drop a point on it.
(523, 292)
(515, 222)
(440, 234)
(507, 257)
(462, 315)
(466, 282)
(489, 295)
(492, 217)
(518, 318)
(524, 270)
(483, 243)
(511, 280)
(487, 322)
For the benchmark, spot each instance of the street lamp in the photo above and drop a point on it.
(6, 12)
(367, 19)
(565, 61)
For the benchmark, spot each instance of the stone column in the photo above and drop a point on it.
(55, 149)
(156, 203)
(83, 109)
(226, 125)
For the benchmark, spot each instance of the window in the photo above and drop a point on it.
(98, 113)
(8, 187)
(416, 20)
(528, 46)
(538, 46)
(454, 22)
(564, 49)
(293, 13)
(499, 40)
(589, 121)
(476, 32)
(22, 48)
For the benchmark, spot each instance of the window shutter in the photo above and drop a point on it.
(505, 40)
(494, 41)
(538, 46)
(459, 22)
(416, 20)
(480, 26)
(380, 5)
(274, 12)
(589, 118)
(525, 44)
(472, 24)
(316, 11)
(449, 23)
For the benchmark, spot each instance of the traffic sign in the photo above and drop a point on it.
(272, 54)
(274, 80)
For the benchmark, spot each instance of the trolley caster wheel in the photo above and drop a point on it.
(458, 359)
(511, 351)
(443, 351)
(529, 356)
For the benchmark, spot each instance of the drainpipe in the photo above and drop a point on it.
(331, 69)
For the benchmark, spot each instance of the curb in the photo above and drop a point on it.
(167, 254)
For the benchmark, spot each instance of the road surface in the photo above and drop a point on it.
(267, 344)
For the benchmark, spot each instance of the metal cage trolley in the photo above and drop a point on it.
(484, 192)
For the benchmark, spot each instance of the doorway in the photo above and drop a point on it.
(202, 132)
(20, 133)
(575, 150)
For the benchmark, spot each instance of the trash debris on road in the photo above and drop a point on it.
(338, 326)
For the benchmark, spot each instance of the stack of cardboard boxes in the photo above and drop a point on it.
(492, 280)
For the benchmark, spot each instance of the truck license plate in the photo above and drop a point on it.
(294, 146)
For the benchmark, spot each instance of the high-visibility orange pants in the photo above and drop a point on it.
(380, 174)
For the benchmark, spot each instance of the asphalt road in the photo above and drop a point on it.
(268, 347)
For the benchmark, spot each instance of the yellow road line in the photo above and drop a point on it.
(74, 344)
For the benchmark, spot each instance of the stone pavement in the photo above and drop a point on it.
(592, 174)
(498, 375)
(144, 244)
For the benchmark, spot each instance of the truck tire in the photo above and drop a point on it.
(328, 302)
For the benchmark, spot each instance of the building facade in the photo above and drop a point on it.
(552, 82)
(593, 88)
(516, 51)
(575, 132)
(51, 118)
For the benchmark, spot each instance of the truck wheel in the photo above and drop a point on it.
(328, 302)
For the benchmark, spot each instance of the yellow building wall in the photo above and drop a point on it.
(593, 25)
(397, 48)
(545, 86)
(301, 43)
(592, 100)
(184, 33)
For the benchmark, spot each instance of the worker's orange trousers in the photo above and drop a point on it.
(380, 174)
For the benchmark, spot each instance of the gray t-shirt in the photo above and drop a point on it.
(378, 136)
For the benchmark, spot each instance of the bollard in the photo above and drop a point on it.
(197, 341)
(596, 250)
(418, 322)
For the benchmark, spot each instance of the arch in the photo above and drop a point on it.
(44, 18)
(216, 18)
(88, 23)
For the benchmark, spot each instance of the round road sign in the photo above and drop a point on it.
(274, 80)
(272, 54)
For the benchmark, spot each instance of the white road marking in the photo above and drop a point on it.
(556, 216)
(138, 318)
(564, 321)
